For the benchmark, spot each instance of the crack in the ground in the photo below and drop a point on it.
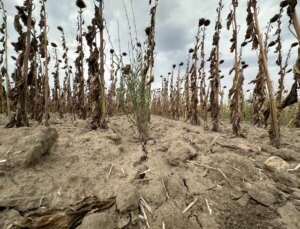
(185, 184)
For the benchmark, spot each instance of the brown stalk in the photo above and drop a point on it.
(2, 102)
(22, 98)
(215, 72)
(275, 131)
(78, 95)
(7, 85)
(234, 93)
(177, 94)
(242, 66)
(259, 93)
(56, 89)
(101, 73)
(172, 94)
(97, 96)
(67, 92)
(187, 87)
(35, 97)
(46, 79)
(165, 97)
(279, 59)
(194, 118)
(203, 95)
(112, 90)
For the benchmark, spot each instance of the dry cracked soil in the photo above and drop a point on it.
(182, 177)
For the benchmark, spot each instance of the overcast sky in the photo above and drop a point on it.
(176, 28)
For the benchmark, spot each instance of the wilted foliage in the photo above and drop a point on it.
(44, 53)
(203, 94)
(66, 94)
(56, 89)
(172, 93)
(19, 93)
(292, 97)
(291, 12)
(78, 95)
(187, 87)
(236, 90)
(177, 94)
(194, 119)
(4, 91)
(97, 96)
(189, 94)
(256, 34)
(214, 72)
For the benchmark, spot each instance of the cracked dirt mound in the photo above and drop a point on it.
(226, 182)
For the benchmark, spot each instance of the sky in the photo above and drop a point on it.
(176, 27)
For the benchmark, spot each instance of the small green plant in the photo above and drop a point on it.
(136, 104)
(137, 78)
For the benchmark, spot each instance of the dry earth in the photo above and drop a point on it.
(226, 179)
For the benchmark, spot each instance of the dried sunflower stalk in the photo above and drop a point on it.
(214, 72)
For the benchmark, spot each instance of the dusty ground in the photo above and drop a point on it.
(225, 177)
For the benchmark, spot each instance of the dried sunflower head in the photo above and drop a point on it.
(80, 4)
(272, 43)
(207, 22)
(53, 45)
(275, 18)
(148, 31)
(284, 4)
(244, 43)
(201, 22)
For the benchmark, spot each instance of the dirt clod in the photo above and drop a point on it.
(288, 154)
(29, 148)
(287, 179)
(179, 152)
(275, 163)
(262, 196)
(128, 199)
(287, 214)
(98, 220)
